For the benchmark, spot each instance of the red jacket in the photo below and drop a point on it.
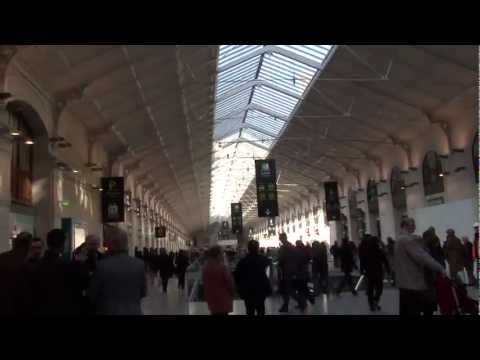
(218, 287)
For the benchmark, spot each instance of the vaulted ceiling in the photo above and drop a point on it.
(157, 108)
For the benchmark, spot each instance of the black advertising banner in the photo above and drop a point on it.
(266, 179)
(236, 214)
(332, 203)
(113, 199)
(160, 231)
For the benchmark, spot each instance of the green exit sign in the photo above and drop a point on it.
(65, 203)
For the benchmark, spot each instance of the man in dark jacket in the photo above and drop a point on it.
(182, 264)
(302, 276)
(88, 255)
(36, 251)
(334, 252)
(58, 284)
(372, 263)
(252, 281)
(12, 282)
(287, 265)
(347, 264)
(165, 267)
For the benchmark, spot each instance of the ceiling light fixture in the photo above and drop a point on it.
(75, 171)
(15, 133)
(29, 142)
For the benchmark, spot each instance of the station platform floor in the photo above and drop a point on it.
(175, 303)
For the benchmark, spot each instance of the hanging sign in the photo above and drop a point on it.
(267, 202)
(236, 215)
(113, 199)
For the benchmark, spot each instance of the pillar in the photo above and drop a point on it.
(43, 189)
(386, 211)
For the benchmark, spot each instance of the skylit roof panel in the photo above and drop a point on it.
(264, 121)
(274, 100)
(284, 73)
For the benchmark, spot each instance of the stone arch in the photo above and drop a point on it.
(41, 211)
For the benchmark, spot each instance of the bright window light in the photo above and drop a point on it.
(258, 90)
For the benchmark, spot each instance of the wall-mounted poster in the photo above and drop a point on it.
(332, 202)
(397, 185)
(432, 171)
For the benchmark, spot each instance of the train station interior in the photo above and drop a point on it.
(187, 131)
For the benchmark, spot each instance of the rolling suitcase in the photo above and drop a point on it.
(447, 297)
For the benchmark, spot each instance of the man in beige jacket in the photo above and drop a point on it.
(411, 261)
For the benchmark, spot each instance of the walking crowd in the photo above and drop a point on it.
(416, 265)
(34, 282)
(37, 282)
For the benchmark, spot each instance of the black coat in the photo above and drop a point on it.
(347, 258)
(14, 290)
(373, 260)
(182, 264)
(165, 266)
(57, 286)
(320, 261)
(251, 278)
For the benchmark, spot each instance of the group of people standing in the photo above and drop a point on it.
(88, 283)
(163, 266)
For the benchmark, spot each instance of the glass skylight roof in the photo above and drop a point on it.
(257, 92)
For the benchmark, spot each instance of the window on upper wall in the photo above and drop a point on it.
(22, 163)
(432, 174)
(475, 156)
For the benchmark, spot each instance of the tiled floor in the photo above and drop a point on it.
(175, 303)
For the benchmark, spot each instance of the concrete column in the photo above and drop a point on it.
(43, 189)
(386, 211)
(5, 192)
(362, 204)
(415, 194)
(345, 210)
(460, 181)
(335, 232)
